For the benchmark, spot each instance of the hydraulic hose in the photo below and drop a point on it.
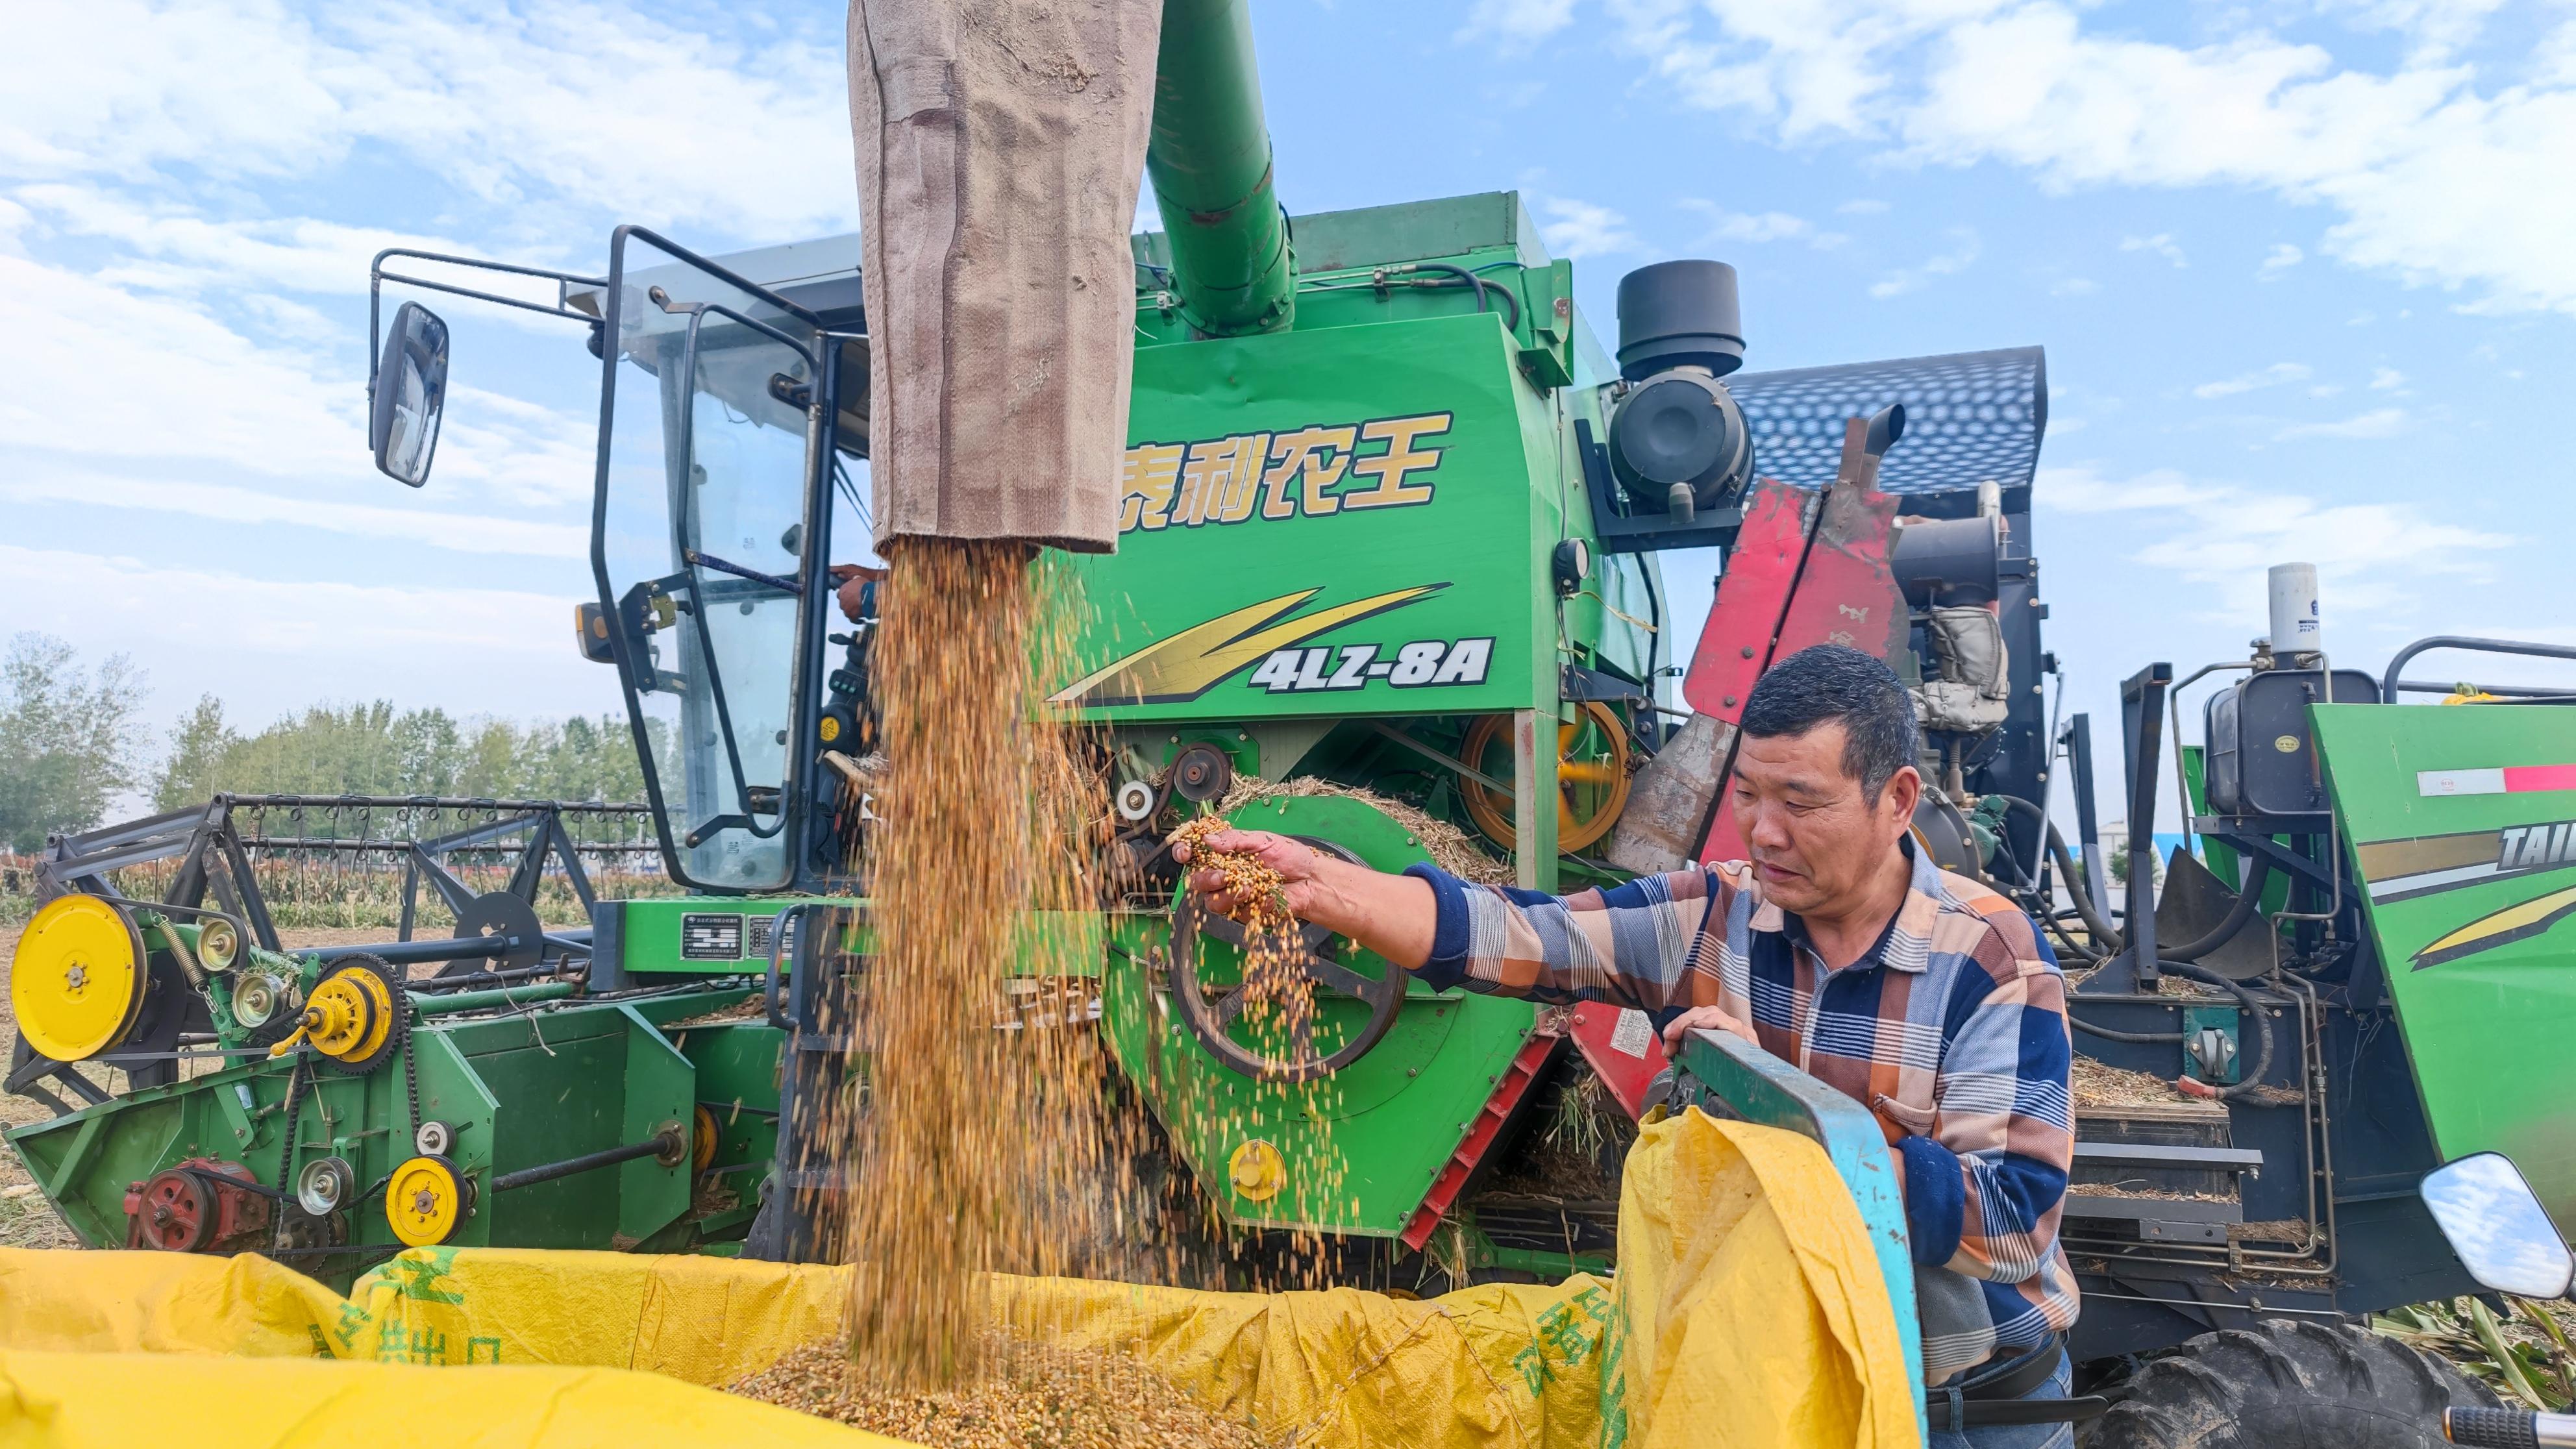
(1483, 290)
(2253, 1007)
(2248, 1003)
(2066, 941)
(2109, 936)
(2248, 900)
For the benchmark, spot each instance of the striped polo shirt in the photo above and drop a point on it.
(1951, 1030)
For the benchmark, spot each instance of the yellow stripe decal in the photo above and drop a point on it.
(2502, 928)
(1196, 659)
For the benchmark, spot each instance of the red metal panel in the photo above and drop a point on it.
(1625, 1065)
(1735, 643)
(1848, 594)
(1480, 1134)
(1838, 588)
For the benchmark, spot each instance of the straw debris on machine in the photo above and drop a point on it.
(1449, 846)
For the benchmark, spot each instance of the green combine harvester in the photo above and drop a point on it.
(1387, 579)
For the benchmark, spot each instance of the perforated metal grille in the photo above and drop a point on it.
(1969, 416)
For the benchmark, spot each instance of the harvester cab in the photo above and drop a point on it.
(730, 412)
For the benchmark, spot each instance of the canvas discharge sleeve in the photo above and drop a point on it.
(998, 145)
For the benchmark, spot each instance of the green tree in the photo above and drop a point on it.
(374, 749)
(67, 738)
(198, 749)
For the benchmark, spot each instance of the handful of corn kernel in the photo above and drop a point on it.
(1259, 888)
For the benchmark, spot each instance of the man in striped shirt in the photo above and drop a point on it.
(1840, 948)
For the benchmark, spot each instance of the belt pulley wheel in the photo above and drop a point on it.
(175, 1213)
(703, 1134)
(1214, 1007)
(1593, 767)
(355, 1017)
(77, 982)
(425, 1199)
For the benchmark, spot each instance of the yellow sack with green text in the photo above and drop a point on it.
(1748, 1310)
(126, 1400)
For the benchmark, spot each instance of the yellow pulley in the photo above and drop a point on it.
(350, 1017)
(703, 1136)
(77, 980)
(1592, 775)
(424, 1201)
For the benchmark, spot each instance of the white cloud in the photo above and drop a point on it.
(2274, 376)
(216, 396)
(1579, 229)
(183, 345)
(262, 643)
(2283, 257)
(2377, 423)
(2074, 287)
(1517, 23)
(229, 504)
(1961, 253)
(589, 103)
(298, 254)
(2223, 536)
(80, 349)
(2162, 244)
(1862, 206)
(2436, 27)
(2384, 379)
(2432, 178)
(1767, 226)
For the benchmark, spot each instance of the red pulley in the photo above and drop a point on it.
(198, 1206)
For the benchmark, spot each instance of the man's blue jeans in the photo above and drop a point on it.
(2017, 1436)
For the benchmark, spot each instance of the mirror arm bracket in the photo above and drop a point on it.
(377, 276)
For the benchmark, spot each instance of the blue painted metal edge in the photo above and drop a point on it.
(1746, 1082)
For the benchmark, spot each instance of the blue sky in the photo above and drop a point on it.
(2301, 270)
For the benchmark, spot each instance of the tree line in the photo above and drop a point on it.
(75, 747)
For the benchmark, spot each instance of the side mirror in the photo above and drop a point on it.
(2497, 1226)
(410, 390)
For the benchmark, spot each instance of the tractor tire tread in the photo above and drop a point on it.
(2287, 1385)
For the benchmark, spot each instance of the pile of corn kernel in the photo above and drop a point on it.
(1040, 1398)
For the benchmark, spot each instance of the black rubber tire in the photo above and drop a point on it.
(2288, 1385)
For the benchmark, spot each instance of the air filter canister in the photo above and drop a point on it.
(2296, 625)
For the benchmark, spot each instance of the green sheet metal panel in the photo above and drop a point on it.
(1333, 522)
(575, 1078)
(702, 935)
(2461, 828)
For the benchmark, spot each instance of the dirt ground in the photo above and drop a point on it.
(26, 1219)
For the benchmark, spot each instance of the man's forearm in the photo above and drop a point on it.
(1393, 915)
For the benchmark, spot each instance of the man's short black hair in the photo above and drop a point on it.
(1826, 682)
